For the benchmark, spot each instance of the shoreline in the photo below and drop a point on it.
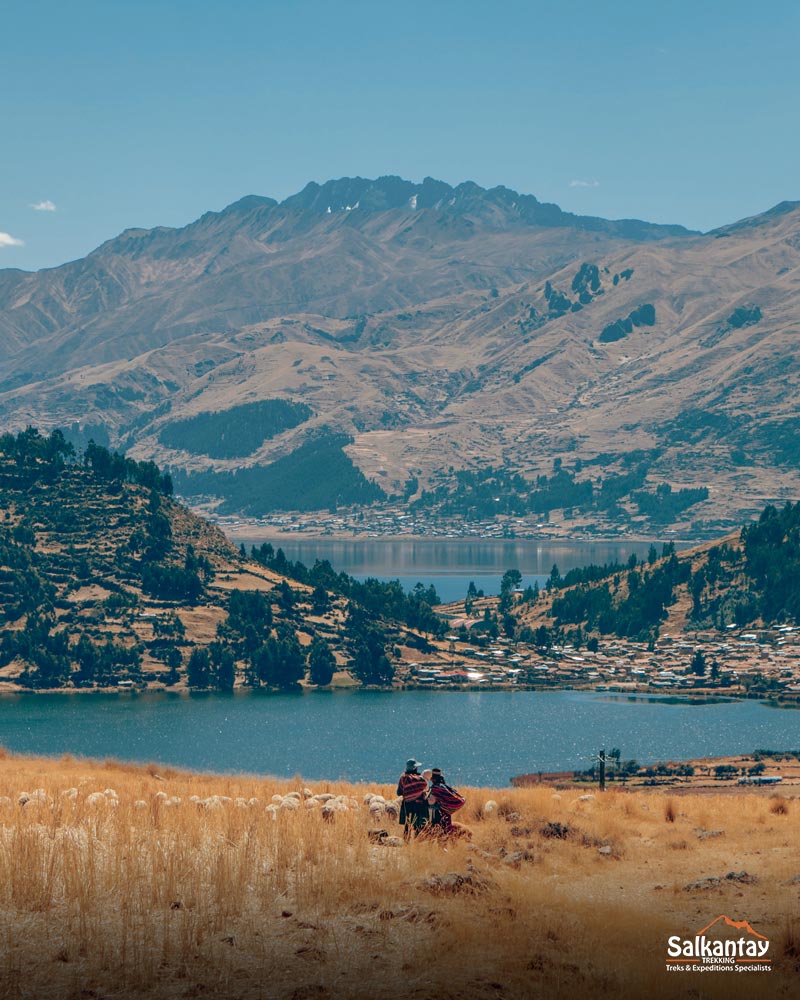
(677, 695)
(568, 779)
(262, 533)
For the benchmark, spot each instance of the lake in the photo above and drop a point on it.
(479, 737)
(450, 564)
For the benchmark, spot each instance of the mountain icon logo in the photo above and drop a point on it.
(739, 925)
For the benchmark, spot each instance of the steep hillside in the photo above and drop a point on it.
(423, 328)
(106, 580)
(747, 580)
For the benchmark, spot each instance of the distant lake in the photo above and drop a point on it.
(481, 737)
(450, 564)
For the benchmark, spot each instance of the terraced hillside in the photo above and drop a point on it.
(105, 580)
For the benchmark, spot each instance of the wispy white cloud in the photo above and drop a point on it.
(44, 206)
(7, 240)
(584, 184)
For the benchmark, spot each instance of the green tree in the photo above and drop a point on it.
(698, 664)
(320, 601)
(198, 670)
(280, 662)
(370, 663)
(321, 663)
(173, 662)
(223, 665)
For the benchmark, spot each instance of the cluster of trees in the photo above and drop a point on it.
(593, 572)
(272, 657)
(759, 581)
(22, 589)
(644, 315)
(317, 475)
(666, 505)
(111, 466)
(634, 611)
(54, 660)
(368, 643)
(236, 432)
(36, 456)
(480, 494)
(386, 600)
(771, 549)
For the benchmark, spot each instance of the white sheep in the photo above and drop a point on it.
(334, 805)
(272, 810)
(95, 798)
(307, 793)
(140, 804)
(277, 798)
(240, 803)
(289, 803)
(293, 795)
(489, 807)
(70, 793)
(253, 802)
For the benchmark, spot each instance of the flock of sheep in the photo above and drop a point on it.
(327, 803)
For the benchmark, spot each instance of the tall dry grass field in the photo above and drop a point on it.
(114, 883)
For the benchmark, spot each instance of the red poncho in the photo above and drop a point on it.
(412, 787)
(448, 799)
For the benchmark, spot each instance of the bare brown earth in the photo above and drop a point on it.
(422, 329)
(122, 881)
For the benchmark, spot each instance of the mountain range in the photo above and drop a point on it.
(422, 329)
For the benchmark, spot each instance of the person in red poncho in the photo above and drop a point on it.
(443, 801)
(413, 788)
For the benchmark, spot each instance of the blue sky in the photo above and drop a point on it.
(150, 113)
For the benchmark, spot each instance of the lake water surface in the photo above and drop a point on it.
(450, 564)
(480, 737)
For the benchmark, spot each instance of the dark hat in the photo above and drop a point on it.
(412, 765)
(436, 775)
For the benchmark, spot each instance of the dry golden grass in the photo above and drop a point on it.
(99, 899)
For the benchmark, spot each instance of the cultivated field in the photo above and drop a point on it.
(124, 881)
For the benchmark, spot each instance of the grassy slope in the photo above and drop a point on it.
(177, 901)
(103, 517)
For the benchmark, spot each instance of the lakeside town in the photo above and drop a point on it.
(396, 521)
(741, 663)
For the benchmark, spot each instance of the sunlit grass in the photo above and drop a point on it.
(119, 879)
